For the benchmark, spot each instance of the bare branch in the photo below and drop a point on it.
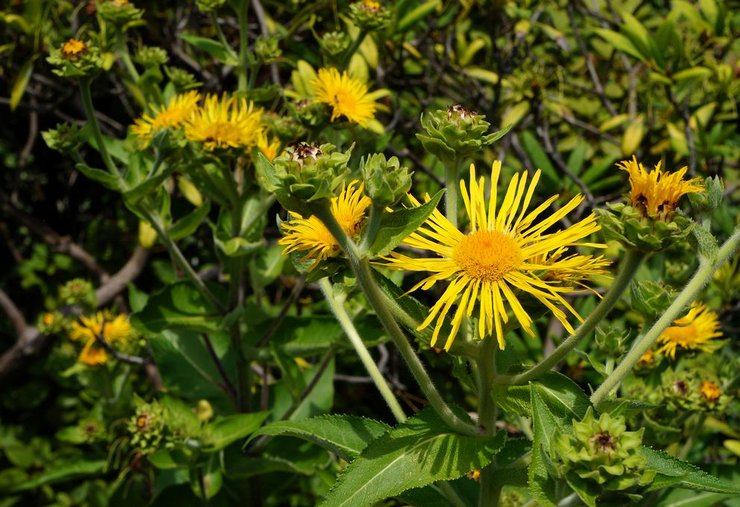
(13, 313)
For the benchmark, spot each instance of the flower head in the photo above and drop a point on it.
(172, 116)
(101, 326)
(269, 146)
(347, 96)
(73, 48)
(710, 391)
(309, 235)
(656, 193)
(506, 252)
(224, 122)
(693, 331)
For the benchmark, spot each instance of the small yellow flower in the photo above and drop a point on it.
(347, 96)
(311, 236)
(173, 116)
(73, 48)
(224, 122)
(506, 252)
(647, 359)
(656, 193)
(103, 326)
(267, 145)
(710, 391)
(48, 319)
(693, 331)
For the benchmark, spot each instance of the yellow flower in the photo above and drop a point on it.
(225, 122)
(656, 193)
(73, 48)
(347, 96)
(693, 331)
(647, 359)
(311, 236)
(103, 326)
(710, 390)
(174, 115)
(505, 252)
(268, 146)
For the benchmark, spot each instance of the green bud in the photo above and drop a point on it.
(181, 79)
(386, 182)
(369, 15)
(75, 59)
(65, 138)
(78, 291)
(610, 342)
(209, 6)
(51, 322)
(680, 390)
(309, 113)
(149, 56)
(627, 225)
(121, 13)
(455, 133)
(334, 43)
(147, 426)
(651, 299)
(267, 49)
(600, 458)
(286, 128)
(305, 173)
(711, 198)
(204, 411)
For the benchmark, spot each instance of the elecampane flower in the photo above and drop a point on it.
(506, 253)
(104, 326)
(172, 116)
(656, 193)
(224, 122)
(694, 331)
(309, 235)
(347, 96)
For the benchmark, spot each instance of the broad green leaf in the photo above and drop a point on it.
(149, 185)
(214, 48)
(178, 306)
(417, 14)
(21, 83)
(541, 485)
(300, 337)
(418, 452)
(564, 399)
(640, 37)
(62, 471)
(633, 135)
(226, 430)
(676, 473)
(107, 179)
(480, 74)
(577, 157)
(625, 407)
(318, 401)
(620, 42)
(279, 455)
(680, 497)
(188, 224)
(515, 113)
(692, 74)
(538, 157)
(344, 435)
(395, 226)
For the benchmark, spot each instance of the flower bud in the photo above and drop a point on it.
(181, 79)
(150, 56)
(147, 426)
(334, 43)
(651, 299)
(626, 224)
(308, 113)
(76, 58)
(267, 49)
(204, 411)
(611, 342)
(455, 133)
(64, 138)
(710, 199)
(600, 456)
(147, 235)
(209, 6)
(51, 322)
(120, 13)
(386, 182)
(305, 173)
(369, 15)
(78, 291)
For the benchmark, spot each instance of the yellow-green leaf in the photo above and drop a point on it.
(21, 83)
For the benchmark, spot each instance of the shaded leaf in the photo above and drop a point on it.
(395, 226)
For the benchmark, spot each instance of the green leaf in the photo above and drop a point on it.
(538, 157)
(226, 430)
(149, 185)
(21, 83)
(214, 48)
(178, 306)
(419, 452)
(417, 14)
(541, 485)
(395, 226)
(188, 224)
(62, 471)
(674, 472)
(344, 435)
(640, 37)
(107, 179)
(620, 42)
(564, 399)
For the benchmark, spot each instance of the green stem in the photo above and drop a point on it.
(179, 258)
(486, 366)
(362, 271)
(87, 104)
(627, 270)
(693, 436)
(352, 49)
(243, 16)
(452, 176)
(126, 57)
(372, 228)
(220, 34)
(337, 307)
(452, 496)
(707, 268)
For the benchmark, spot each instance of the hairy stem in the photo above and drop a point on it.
(243, 16)
(486, 367)
(97, 134)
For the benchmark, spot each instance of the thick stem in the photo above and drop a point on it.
(353, 49)
(707, 268)
(372, 228)
(486, 362)
(87, 104)
(337, 307)
(452, 177)
(243, 16)
(630, 263)
(365, 279)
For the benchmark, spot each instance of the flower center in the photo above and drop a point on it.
(603, 442)
(487, 255)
